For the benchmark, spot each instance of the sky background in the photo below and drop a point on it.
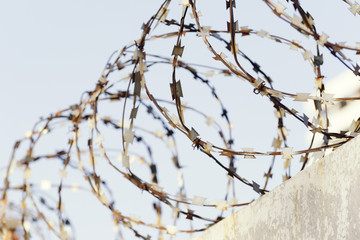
(53, 51)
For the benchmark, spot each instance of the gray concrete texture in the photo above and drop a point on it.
(321, 202)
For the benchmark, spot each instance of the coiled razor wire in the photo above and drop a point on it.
(41, 210)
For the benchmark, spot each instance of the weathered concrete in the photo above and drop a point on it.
(321, 202)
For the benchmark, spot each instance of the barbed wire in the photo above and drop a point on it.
(38, 206)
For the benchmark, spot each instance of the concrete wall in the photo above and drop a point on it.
(321, 202)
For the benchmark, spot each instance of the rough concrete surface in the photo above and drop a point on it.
(321, 202)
